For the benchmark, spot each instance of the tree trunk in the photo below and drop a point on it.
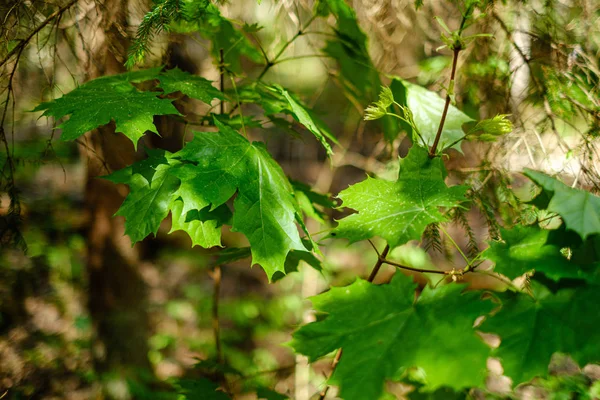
(117, 292)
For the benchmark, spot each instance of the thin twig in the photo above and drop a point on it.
(379, 262)
(19, 47)
(438, 135)
(374, 248)
(272, 62)
(334, 364)
(222, 79)
(260, 373)
(422, 270)
(216, 273)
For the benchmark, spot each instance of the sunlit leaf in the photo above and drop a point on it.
(399, 211)
(427, 108)
(111, 98)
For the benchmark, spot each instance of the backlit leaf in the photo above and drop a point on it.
(199, 389)
(204, 226)
(148, 202)
(399, 211)
(427, 108)
(196, 87)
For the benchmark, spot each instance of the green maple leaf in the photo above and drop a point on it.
(440, 394)
(223, 35)
(311, 202)
(349, 47)
(427, 108)
(195, 183)
(274, 99)
(203, 226)
(196, 87)
(106, 99)
(305, 118)
(580, 210)
(218, 165)
(292, 262)
(526, 248)
(399, 211)
(231, 254)
(383, 331)
(532, 329)
(150, 197)
(199, 388)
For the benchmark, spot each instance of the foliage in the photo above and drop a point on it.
(530, 248)
(114, 98)
(426, 108)
(388, 332)
(534, 328)
(197, 182)
(399, 211)
(428, 335)
(580, 210)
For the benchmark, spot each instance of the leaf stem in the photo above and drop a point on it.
(222, 79)
(238, 102)
(216, 272)
(432, 151)
(216, 275)
(272, 62)
(455, 245)
(301, 57)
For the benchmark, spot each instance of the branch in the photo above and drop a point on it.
(272, 62)
(260, 373)
(379, 262)
(25, 41)
(425, 271)
(216, 273)
(438, 135)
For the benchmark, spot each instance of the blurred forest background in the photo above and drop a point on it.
(84, 315)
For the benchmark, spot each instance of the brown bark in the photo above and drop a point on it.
(117, 293)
